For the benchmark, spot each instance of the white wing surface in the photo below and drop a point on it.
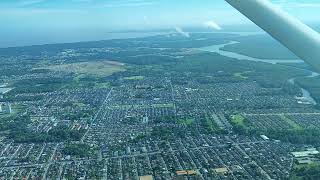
(289, 31)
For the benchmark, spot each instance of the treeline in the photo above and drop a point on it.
(209, 125)
(162, 132)
(78, 150)
(40, 85)
(14, 123)
(36, 89)
(20, 133)
(10, 98)
(56, 134)
(310, 172)
(312, 85)
(81, 114)
(37, 81)
(13, 71)
(267, 75)
(303, 136)
(165, 119)
(168, 132)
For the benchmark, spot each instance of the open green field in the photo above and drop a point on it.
(238, 119)
(96, 68)
(241, 75)
(293, 124)
(186, 122)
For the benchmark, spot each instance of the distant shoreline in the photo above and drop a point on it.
(122, 35)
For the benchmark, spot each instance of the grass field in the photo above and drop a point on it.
(293, 124)
(96, 68)
(238, 119)
(241, 75)
(186, 122)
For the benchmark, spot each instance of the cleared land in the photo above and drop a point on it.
(134, 78)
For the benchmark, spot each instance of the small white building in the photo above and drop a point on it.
(145, 119)
(264, 137)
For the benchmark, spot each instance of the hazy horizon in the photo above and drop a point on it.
(30, 22)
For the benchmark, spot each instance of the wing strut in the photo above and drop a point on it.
(289, 31)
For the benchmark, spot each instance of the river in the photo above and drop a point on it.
(218, 49)
(306, 96)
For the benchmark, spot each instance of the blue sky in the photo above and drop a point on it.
(30, 19)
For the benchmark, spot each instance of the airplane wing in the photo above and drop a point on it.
(289, 31)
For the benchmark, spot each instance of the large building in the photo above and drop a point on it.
(5, 108)
(306, 157)
(147, 177)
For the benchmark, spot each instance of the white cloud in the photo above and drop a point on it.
(291, 4)
(24, 12)
(30, 2)
(183, 33)
(309, 5)
(130, 3)
(83, 1)
(212, 25)
(145, 19)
